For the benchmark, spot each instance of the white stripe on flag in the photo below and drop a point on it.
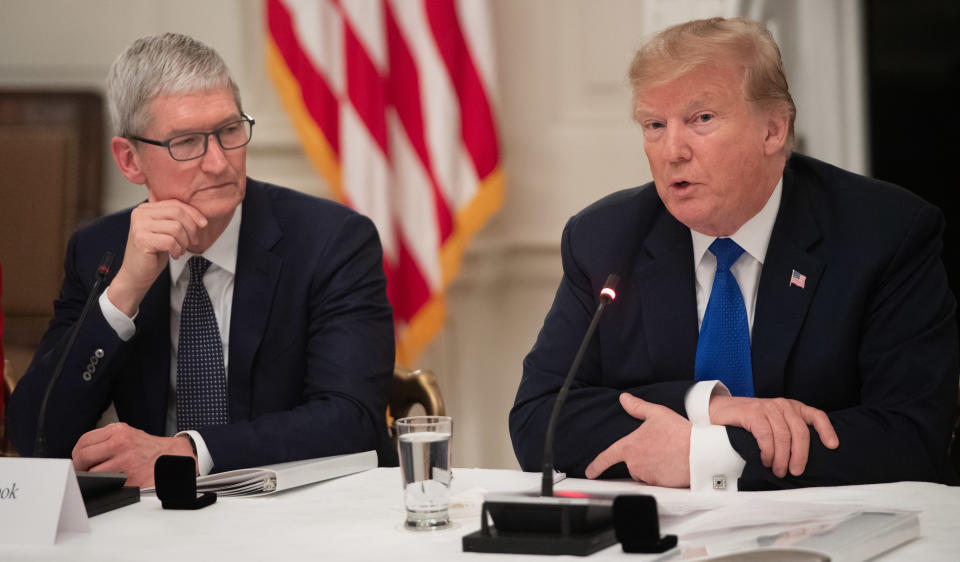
(414, 202)
(366, 20)
(475, 22)
(366, 176)
(319, 28)
(438, 99)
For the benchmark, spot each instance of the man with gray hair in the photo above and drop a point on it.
(247, 324)
(761, 293)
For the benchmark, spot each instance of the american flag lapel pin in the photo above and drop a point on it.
(798, 279)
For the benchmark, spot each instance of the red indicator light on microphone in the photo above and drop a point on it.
(570, 494)
(610, 293)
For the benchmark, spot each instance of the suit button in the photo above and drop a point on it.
(87, 375)
(94, 360)
(98, 354)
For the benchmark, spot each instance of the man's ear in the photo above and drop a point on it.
(127, 159)
(778, 126)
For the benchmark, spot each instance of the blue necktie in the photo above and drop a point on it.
(201, 377)
(723, 349)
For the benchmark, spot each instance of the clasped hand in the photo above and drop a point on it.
(120, 448)
(658, 451)
(780, 426)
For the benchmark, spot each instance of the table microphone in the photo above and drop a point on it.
(40, 443)
(607, 295)
(572, 523)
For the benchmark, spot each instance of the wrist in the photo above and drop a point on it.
(124, 297)
(183, 445)
(717, 403)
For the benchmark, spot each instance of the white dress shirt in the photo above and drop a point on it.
(218, 280)
(714, 464)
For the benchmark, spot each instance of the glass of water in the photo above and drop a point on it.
(424, 443)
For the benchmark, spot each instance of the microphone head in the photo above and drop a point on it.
(608, 287)
(105, 262)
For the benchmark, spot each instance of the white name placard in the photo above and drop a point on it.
(39, 498)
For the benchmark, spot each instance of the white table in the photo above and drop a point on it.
(360, 517)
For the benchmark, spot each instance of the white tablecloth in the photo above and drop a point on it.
(360, 517)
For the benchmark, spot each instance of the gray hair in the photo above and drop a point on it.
(168, 63)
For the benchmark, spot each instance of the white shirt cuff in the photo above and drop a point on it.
(121, 323)
(697, 401)
(204, 460)
(714, 464)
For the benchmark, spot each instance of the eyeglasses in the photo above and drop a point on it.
(191, 146)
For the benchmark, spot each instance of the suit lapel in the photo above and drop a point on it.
(781, 307)
(153, 343)
(665, 282)
(257, 272)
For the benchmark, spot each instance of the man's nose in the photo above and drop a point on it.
(214, 160)
(677, 147)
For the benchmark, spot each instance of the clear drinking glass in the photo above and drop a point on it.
(425, 453)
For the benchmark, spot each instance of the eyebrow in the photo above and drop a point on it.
(235, 117)
(706, 98)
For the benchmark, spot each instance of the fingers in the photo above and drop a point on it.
(613, 454)
(799, 444)
(166, 227)
(88, 456)
(763, 432)
(607, 458)
(637, 407)
(821, 422)
(781, 429)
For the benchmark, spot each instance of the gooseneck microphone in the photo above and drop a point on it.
(571, 523)
(607, 295)
(40, 443)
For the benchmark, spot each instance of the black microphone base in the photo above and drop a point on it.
(543, 525)
(105, 491)
(579, 544)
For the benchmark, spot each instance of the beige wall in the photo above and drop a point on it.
(563, 111)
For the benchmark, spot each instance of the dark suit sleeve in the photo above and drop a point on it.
(75, 404)
(906, 364)
(592, 418)
(342, 373)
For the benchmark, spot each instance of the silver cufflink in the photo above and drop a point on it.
(719, 482)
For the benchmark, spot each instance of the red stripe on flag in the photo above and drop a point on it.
(317, 96)
(404, 87)
(479, 131)
(406, 287)
(365, 87)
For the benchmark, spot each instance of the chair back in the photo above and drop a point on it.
(415, 386)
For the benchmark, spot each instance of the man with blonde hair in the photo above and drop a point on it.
(247, 324)
(762, 293)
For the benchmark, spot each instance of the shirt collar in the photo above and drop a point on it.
(222, 253)
(753, 236)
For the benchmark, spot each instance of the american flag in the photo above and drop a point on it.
(392, 100)
(798, 279)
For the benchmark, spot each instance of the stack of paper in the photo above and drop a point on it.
(283, 476)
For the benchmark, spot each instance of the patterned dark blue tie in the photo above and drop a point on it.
(201, 378)
(723, 349)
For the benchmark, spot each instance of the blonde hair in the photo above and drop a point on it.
(681, 48)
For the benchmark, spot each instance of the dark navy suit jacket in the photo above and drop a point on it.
(871, 339)
(311, 341)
